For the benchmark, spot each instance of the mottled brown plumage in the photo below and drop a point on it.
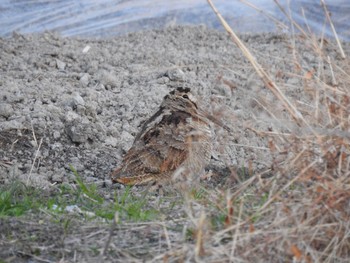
(175, 142)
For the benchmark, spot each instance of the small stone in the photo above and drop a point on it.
(100, 87)
(34, 179)
(80, 109)
(84, 79)
(56, 146)
(56, 135)
(126, 143)
(76, 163)
(77, 133)
(57, 178)
(162, 80)
(86, 49)
(108, 78)
(108, 183)
(6, 110)
(175, 75)
(78, 100)
(17, 124)
(33, 143)
(71, 116)
(111, 141)
(60, 64)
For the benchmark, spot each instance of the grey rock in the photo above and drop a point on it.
(57, 178)
(77, 133)
(81, 109)
(60, 64)
(78, 100)
(175, 75)
(55, 111)
(56, 146)
(71, 116)
(6, 110)
(77, 164)
(91, 110)
(56, 135)
(108, 78)
(58, 175)
(85, 79)
(111, 141)
(13, 94)
(16, 124)
(162, 80)
(127, 142)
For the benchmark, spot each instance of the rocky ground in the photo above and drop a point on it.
(80, 102)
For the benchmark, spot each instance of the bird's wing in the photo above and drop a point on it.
(158, 150)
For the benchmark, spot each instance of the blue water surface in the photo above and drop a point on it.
(107, 18)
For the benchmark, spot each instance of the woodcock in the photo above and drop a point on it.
(174, 143)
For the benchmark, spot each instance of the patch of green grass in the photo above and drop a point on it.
(129, 208)
(218, 220)
(190, 233)
(199, 193)
(89, 191)
(17, 199)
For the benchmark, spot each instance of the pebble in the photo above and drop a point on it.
(85, 79)
(77, 164)
(60, 64)
(111, 141)
(108, 78)
(6, 110)
(78, 100)
(56, 135)
(77, 133)
(175, 75)
(17, 124)
(58, 175)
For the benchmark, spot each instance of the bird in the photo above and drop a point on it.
(174, 144)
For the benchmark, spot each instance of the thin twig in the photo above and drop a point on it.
(258, 68)
(33, 132)
(333, 29)
(302, 172)
(114, 223)
(199, 249)
(234, 242)
(35, 157)
(167, 236)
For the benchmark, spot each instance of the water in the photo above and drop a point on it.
(106, 18)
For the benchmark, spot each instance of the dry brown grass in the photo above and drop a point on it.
(302, 213)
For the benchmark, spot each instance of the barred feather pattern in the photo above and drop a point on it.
(174, 143)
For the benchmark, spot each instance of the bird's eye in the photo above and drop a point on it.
(185, 97)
